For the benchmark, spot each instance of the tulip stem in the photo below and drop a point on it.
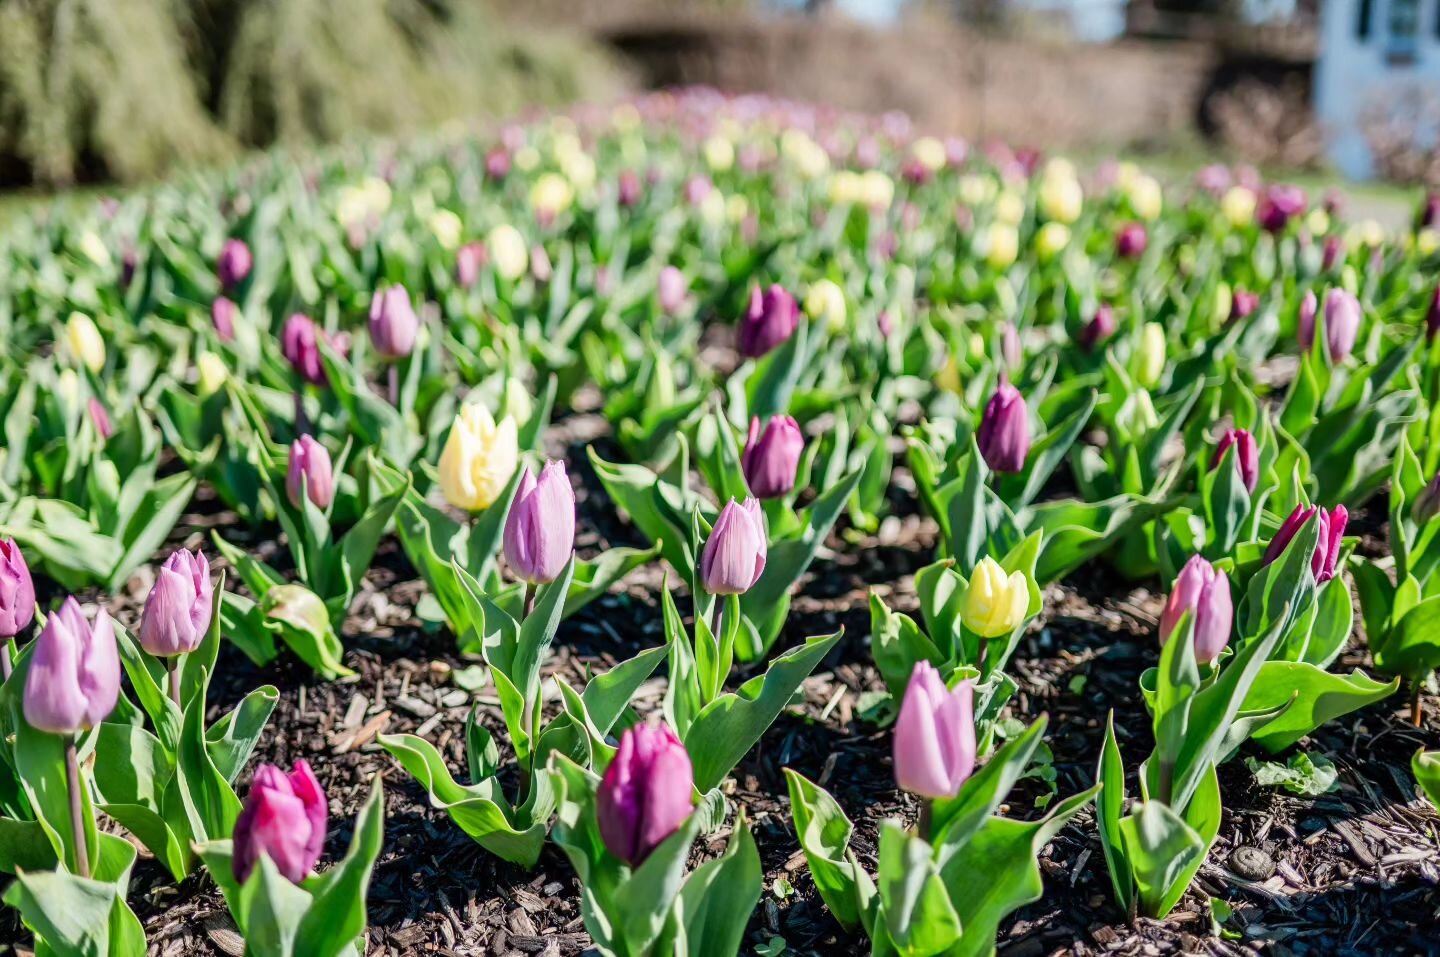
(1417, 707)
(394, 377)
(5, 666)
(172, 664)
(77, 809)
(529, 599)
(301, 426)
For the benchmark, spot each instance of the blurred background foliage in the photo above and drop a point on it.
(126, 89)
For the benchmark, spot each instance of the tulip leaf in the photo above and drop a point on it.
(154, 520)
(720, 895)
(304, 623)
(1318, 697)
(594, 577)
(243, 623)
(954, 820)
(149, 680)
(75, 916)
(1412, 648)
(727, 728)
(1426, 767)
(824, 833)
(915, 909)
(335, 919)
(773, 378)
(898, 644)
(1108, 815)
(1281, 591)
(607, 694)
(660, 509)
(1045, 455)
(24, 845)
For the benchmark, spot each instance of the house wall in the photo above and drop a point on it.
(1353, 76)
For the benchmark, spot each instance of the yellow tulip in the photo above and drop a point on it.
(1151, 363)
(1050, 239)
(1238, 205)
(212, 373)
(719, 153)
(507, 251)
(551, 194)
(527, 158)
(83, 340)
(928, 152)
(1009, 208)
(1145, 197)
(1427, 241)
(876, 189)
(825, 300)
(976, 189)
(1224, 302)
(479, 458)
(737, 207)
(95, 250)
(579, 169)
(1318, 221)
(948, 375)
(1061, 198)
(447, 228)
(845, 187)
(995, 604)
(1003, 245)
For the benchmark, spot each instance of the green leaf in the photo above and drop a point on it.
(335, 920)
(955, 820)
(594, 577)
(70, 914)
(1302, 774)
(1109, 813)
(1319, 696)
(918, 914)
(1426, 767)
(720, 895)
(1412, 648)
(824, 833)
(304, 623)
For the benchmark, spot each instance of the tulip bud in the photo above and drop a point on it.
(1100, 327)
(1002, 246)
(1429, 211)
(1204, 593)
(83, 340)
(1213, 179)
(1432, 317)
(309, 473)
(393, 323)
(74, 678)
(1280, 204)
(1131, 240)
(1238, 206)
(478, 459)
(1247, 459)
(1061, 198)
(771, 457)
(1342, 323)
(826, 301)
(1004, 436)
(934, 739)
(1426, 507)
(210, 374)
(100, 418)
(628, 189)
(1327, 549)
(770, 319)
(540, 529)
(1050, 239)
(644, 796)
(300, 344)
(447, 228)
(17, 590)
(178, 611)
(1010, 351)
(234, 263)
(671, 290)
(995, 604)
(1334, 252)
(1305, 319)
(1243, 304)
(468, 260)
(1150, 360)
(506, 248)
(540, 268)
(284, 818)
(222, 316)
(734, 554)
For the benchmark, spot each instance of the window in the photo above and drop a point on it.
(1402, 27)
(1362, 24)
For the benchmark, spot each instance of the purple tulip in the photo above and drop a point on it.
(671, 289)
(1427, 503)
(772, 456)
(885, 323)
(1131, 240)
(129, 262)
(300, 344)
(1100, 327)
(100, 418)
(178, 611)
(1010, 351)
(1204, 593)
(222, 316)
(1430, 211)
(1432, 317)
(469, 259)
(1004, 436)
(1327, 549)
(934, 740)
(309, 470)
(1342, 322)
(1247, 458)
(1334, 252)
(234, 263)
(540, 529)
(771, 318)
(1279, 204)
(1214, 179)
(628, 189)
(1305, 319)
(644, 796)
(74, 678)
(17, 590)
(393, 323)
(1243, 303)
(497, 163)
(734, 554)
(284, 818)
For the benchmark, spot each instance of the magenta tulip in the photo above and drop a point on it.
(1004, 436)
(222, 316)
(1204, 594)
(934, 740)
(1243, 303)
(469, 259)
(734, 554)
(178, 611)
(284, 818)
(540, 528)
(17, 590)
(74, 679)
(769, 320)
(671, 289)
(644, 796)
(771, 457)
(300, 344)
(1327, 549)
(309, 473)
(1100, 327)
(1247, 458)
(1131, 240)
(234, 263)
(1342, 322)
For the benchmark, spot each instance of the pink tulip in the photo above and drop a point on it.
(540, 528)
(734, 554)
(74, 679)
(178, 610)
(1204, 594)
(644, 796)
(934, 739)
(284, 818)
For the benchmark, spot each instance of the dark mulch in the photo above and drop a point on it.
(1353, 872)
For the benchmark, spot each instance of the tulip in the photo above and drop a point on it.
(284, 818)
(1327, 549)
(497, 163)
(309, 473)
(83, 340)
(696, 189)
(74, 679)
(1050, 239)
(1432, 316)
(506, 248)
(825, 300)
(1247, 459)
(772, 456)
(734, 554)
(1427, 503)
(468, 260)
(447, 228)
(300, 344)
(995, 604)
(1342, 323)
(1429, 211)
(178, 610)
(1145, 197)
(393, 323)
(100, 418)
(1004, 436)
(1100, 327)
(670, 290)
(769, 320)
(1061, 198)
(1238, 206)
(17, 591)
(210, 374)
(222, 316)
(1002, 245)
(1214, 179)
(644, 796)
(1011, 352)
(885, 323)
(628, 189)
(1334, 252)
(540, 268)
(1243, 303)
(478, 459)
(1150, 359)
(1305, 319)
(540, 529)
(934, 740)
(1279, 205)
(234, 263)
(550, 195)
(1131, 240)
(1204, 594)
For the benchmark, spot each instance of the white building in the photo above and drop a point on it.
(1374, 54)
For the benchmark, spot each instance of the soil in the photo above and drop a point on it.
(1352, 872)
